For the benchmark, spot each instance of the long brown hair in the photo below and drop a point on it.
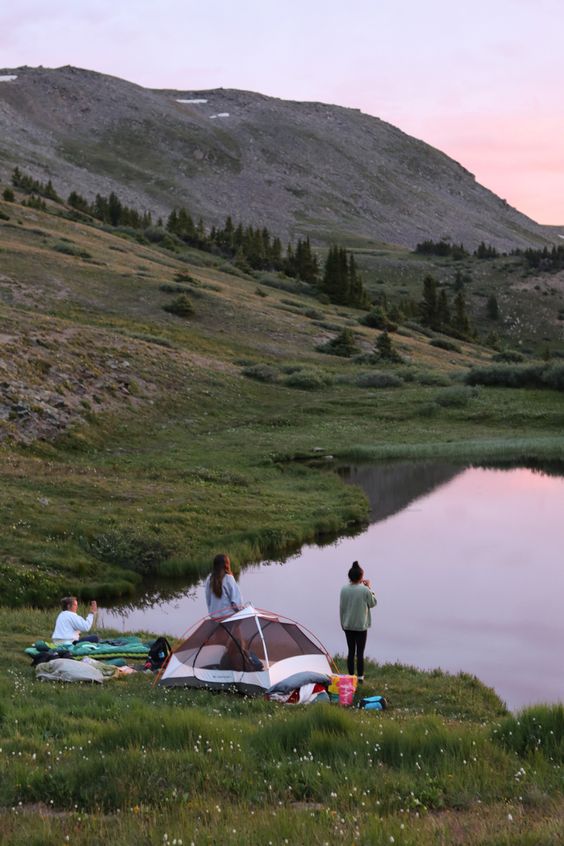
(221, 566)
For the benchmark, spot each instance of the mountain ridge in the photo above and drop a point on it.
(330, 172)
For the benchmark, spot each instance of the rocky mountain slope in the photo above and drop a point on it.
(300, 168)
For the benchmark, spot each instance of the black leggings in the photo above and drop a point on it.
(356, 642)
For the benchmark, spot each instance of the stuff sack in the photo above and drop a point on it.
(373, 703)
(342, 689)
(158, 653)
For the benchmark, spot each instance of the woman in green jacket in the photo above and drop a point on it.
(357, 598)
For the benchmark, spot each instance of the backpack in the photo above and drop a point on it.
(373, 703)
(158, 653)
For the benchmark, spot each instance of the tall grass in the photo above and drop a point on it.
(539, 729)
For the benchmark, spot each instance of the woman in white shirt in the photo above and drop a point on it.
(69, 625)
(222, 591)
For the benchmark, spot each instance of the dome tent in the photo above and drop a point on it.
(249, 650)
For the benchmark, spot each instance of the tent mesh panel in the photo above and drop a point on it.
(237, 645)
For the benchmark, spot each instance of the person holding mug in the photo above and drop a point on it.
(356, 600)
(70, 626)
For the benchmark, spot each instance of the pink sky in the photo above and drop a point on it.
(484, 82)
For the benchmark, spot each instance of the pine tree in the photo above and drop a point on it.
(341, 281)
(385, 349)
(460, 320)
(443, 311)
(428, 307)
(78, 202)
(115, 210)
(344, 345)
(493, 307)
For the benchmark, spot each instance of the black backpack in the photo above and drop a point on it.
(158, 653)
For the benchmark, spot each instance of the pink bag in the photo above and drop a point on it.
(344, 687)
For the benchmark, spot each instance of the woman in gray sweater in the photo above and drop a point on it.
(357, 598)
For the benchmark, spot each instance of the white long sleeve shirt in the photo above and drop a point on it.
(69, 625)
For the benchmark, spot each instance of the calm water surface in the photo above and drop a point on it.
(467, 565)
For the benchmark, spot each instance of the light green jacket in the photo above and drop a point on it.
(355, 604)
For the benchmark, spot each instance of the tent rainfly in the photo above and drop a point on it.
(248, 650)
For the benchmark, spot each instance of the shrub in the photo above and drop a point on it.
(4, 216)
(181, 306)
(261, 372)
(424, 377)
(454, 397)
(184, 276)
(70, 249)
(307, 380)
(509, 357)
(282, 283)
(519, 376)
(129, 549)
(377, 379)
(377, 318)
(8, 195)
(155, 234)
(344, 345)
(442, 344)
(428, 409)
(554, 377)
(169, 288)
(416, 327)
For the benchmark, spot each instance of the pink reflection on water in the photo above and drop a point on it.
(468, 577)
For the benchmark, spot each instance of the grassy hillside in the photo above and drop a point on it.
(136, 443)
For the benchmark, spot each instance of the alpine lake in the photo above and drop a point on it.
(466, 563)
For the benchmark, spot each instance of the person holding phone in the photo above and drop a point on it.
(356, 600)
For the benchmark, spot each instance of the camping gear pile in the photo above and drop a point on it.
(96, 661)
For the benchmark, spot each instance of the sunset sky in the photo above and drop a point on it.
(482, 81)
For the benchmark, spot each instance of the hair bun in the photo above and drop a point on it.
(356, 572)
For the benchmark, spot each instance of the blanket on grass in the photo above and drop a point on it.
(122, 647)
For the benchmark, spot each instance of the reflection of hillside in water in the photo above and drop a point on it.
(393, 486)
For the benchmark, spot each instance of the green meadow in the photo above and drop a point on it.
(138, 442)
(128, 762)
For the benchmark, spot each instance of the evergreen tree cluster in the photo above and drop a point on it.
(543, 260)
(341, 281)
(110, 210)
(249, 248)
(485, 251)
(436, 312)
(29, 185)
(441, 248)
